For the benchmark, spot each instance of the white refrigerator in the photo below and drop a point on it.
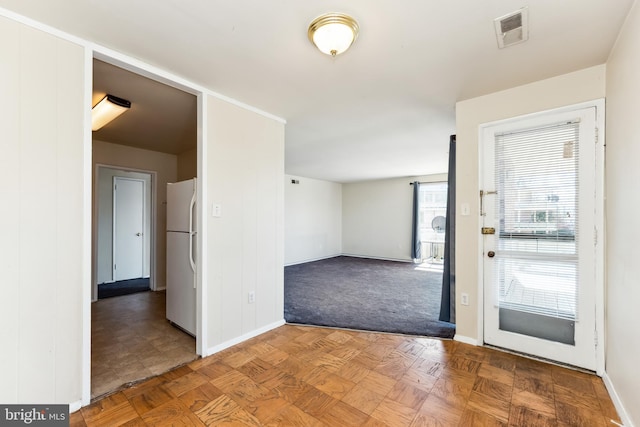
(181, 255)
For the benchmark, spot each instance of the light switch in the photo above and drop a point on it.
(216, 210)
(464, 209)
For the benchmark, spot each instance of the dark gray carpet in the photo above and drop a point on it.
(123, 287)
(366, 294)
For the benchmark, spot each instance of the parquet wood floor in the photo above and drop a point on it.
(308, 376)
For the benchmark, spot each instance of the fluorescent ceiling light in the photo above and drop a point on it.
(106, 110)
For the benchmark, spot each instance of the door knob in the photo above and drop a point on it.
(491, 254)
(138, 234)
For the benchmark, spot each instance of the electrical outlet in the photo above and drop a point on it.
(252, 297)
(464, 299)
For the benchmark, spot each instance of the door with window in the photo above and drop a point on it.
(538, 207)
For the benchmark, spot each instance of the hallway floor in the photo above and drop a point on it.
(132, 340)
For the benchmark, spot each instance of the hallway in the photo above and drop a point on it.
(132, 340)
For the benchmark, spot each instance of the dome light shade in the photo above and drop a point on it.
(333, 33)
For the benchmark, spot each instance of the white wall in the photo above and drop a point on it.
(580, 86)
(377, 215)
(42, 106)
(44, 311)
(104, 220)
(245, 160)
(623, 205)
(165, 166)
(313, 219)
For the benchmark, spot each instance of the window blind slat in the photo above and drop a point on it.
(537, 185)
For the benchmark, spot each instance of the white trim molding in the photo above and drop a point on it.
(88, 236)
(75, 406)
(202, 226)
(466, 340)
(313, 259)
(235, 341)
(624, 416)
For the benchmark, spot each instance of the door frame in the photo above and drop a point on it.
(152, 225)
(128, 63)
(599, 333)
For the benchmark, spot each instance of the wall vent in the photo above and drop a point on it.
(512, 28)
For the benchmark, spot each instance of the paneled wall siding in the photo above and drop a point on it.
(41, 182)
(245, 243)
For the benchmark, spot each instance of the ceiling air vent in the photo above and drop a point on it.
(512, 28)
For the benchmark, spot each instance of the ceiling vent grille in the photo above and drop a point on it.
(512, 28)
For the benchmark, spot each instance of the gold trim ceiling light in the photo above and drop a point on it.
(333, 33)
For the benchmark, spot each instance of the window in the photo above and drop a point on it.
(432, 220)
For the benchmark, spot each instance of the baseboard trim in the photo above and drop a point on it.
(230, 343)
(378, 258)
(312, 260)
(349, 255)
(624, 416)
(466, 340)
(75, 406)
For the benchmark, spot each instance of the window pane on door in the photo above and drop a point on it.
(536, 177)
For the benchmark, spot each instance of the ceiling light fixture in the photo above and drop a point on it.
(106, 110)
(333, 33)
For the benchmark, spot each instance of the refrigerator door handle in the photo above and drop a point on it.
(192, 233)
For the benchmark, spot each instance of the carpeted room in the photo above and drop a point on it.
(366, 294)
(349, 262)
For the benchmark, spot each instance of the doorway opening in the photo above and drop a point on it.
(134, 158)
(124, 237)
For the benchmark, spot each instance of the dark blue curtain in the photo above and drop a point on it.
(415, 230)
(448, 301)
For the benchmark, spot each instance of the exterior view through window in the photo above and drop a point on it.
(433, 219)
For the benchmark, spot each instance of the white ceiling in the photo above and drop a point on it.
(383, 109)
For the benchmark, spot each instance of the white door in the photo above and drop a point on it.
(128, 228)
(539, 264)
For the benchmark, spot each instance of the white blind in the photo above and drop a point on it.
(537, 206)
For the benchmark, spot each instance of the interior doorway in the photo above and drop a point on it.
(135, 156)
(125, 240)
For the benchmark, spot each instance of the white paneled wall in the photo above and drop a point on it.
(245, 159)
(41, 214)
